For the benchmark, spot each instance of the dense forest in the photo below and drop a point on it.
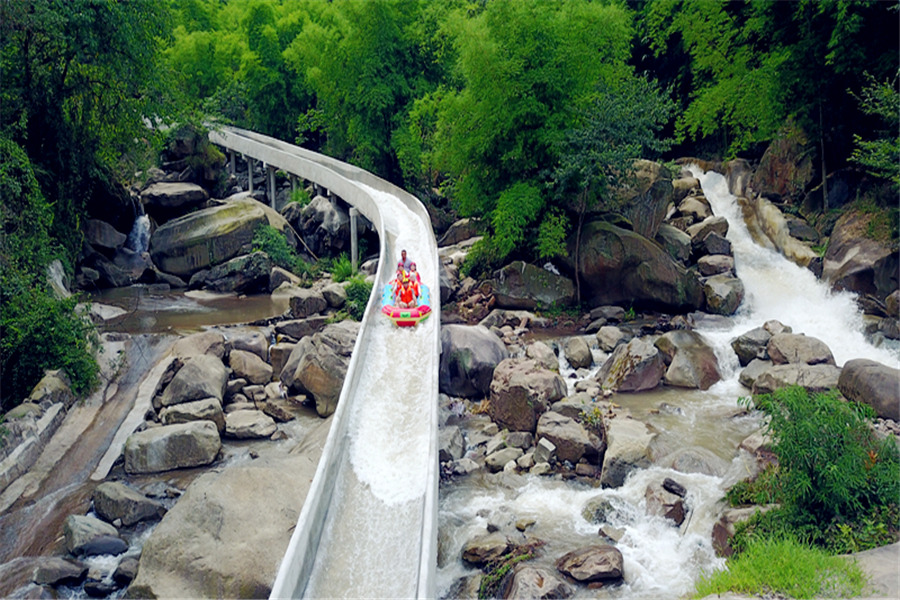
(522, 114)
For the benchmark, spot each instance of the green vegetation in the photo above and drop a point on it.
(358, 292)
(301, 196)
(837, 484)
(496, 570)
(274, 243)
(787, 568)
(341, 268)
(40, 331)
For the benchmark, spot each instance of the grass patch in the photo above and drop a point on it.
(787, 567)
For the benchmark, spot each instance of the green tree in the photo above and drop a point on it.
(881, 156)
(621, 125)
(522, 69)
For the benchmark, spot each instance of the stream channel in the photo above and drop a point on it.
(660, 560)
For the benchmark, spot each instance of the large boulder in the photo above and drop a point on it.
(692, 363)
(245, 274)
(469, 355)
(676, 242)
(324, 224)
(751, 346)
(249, 366)
(632, 367)
(645, 202)
(628, 449)
(249, 424)
(569, 437)
(593, 563)
(202, 376)
(165, 200)
(485, 548)
(208, 409)
(300, 328)
(872, 383)
(851, 259)
(520, 391)
(306, 302)
(527, 581)
(211, 236)
(102, 236)
(618, 266)
(786, 168)
(172, 447)
(814, 378)
(318, 364)
(521, 285)
(792, 348)
(86, 534)
(114, 500)
(578, 353)
(724, 294)
(221, 540)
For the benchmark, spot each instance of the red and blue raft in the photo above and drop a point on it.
(406, 317)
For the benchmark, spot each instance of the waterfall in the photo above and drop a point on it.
(776, 288)
(139, 237)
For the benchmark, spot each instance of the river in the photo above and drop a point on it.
(662, 561)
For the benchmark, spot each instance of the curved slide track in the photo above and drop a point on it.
(368, 527)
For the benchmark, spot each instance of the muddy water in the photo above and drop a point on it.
(152, 310)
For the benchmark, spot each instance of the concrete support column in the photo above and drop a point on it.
(293, 184)
(250, 163)
(354, 239)
(232, 169)
(270, 179)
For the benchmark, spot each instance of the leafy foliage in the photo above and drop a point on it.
(358, 292)
(40, 331)
(837, 483)
(881, 156)
(341, 268)
(274, 243)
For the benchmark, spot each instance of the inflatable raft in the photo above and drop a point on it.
(406, 317)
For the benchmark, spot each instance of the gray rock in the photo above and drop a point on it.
(469, 355)
(543, 354)
(569, 437)
(632, 367)
(715, 264)
(300, 328)
(628, 449)
(790, 348)
(55, 570)
(593, 563)
(578, 353)
(172, 447)
(521, 391)
(251, 367)
(676, 242)
(662, 503)
(814, 378)
(101, 234)
(497, 461)
(249, 424)
(752, 371)
(573, 406)
(200, 377)
(306, 302)
(483, 549)
(208, 409)
(520, 285)
(695, 207)
(608, 337)
(126, 571)
(249, 339)
(335, 295)
(751, 345)
(205, 342)
(451, 445)
(531, 582)
(318, 364)
(692, 362)
(872, 383)
(114, 500)
(701, 230)
(80, 531)
(724, 294)
(695, 460)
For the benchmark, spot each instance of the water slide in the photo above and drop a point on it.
(368, 528)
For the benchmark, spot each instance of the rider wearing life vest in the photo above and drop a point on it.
(407, 296)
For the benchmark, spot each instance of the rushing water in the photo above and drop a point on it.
(661, 560)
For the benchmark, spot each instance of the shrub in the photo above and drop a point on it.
(358, 292)
(275, 244)
(837, 483)
(341, 268)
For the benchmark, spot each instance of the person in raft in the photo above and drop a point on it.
(404, 263)
(397, 281)
(407, 298)
(414, 274)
